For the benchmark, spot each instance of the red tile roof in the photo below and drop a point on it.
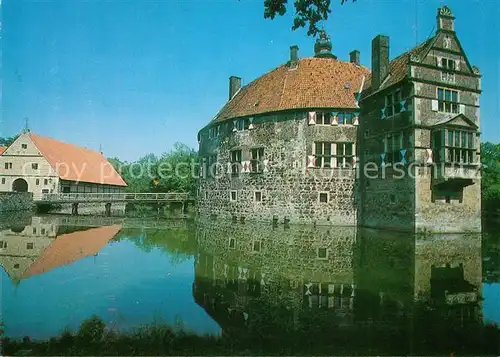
(2, 149)
(75, 163)
(398, 68)
(71, 247)
(315, 83)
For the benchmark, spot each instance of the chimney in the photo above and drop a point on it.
(294, 54)
(445, 19)
(380, 60)
(234, 86)
(354, 55)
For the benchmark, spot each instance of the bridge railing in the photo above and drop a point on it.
(110, 197)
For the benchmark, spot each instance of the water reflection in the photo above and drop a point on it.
(295, 289)
(310, 289)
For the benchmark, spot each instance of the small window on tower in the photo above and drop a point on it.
(24, 146)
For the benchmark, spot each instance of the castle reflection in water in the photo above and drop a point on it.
(275, 281)
(345, 275)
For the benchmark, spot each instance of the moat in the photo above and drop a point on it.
(267, 289)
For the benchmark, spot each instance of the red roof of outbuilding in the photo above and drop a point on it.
(75, 163)
(313, 83)
(2, 149)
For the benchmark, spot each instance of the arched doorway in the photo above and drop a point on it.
(20, 185)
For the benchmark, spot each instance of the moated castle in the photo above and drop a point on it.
(327, 142)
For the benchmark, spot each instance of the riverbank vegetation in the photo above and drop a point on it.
(272, 333)
(490, 189)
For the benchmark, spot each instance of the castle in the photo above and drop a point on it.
(326, 142)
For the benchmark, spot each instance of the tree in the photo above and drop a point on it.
(307, 12)
(490, 157)
(7, 141)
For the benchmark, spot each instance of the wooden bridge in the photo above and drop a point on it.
(108, 198)
(114, 197)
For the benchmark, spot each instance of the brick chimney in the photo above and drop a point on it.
(234, 86)
(445, 19)
(294, 54)
(380, 60)
(354, 57)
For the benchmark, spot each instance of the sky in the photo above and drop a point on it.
(135, 76)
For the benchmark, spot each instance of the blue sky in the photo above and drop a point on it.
(135, 76)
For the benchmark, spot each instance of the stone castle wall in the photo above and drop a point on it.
(290, 190)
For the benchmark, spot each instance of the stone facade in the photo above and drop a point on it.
(417, 144)
(419, 129)
(289, 191)
(16, 201)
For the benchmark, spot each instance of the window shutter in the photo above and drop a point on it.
(251, 125)
(311, 161)
(435, 105)
(356, 119)
(382, 111)
(438, 60)
(312, 118)
(235, 125)
(335, 119)
(403, 154)
(382, 160)
(428, 156)
(266, 165)
(461, 108)
(457, 65)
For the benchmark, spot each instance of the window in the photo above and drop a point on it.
(460, 147)
(257, 246)
(322, 253)
(448, 64)
(447, 100)
(242, 124)
(235, 162)
(323, 154)
(34, 230)
(29, 245)
(324, 118)
(206, 195)
(214, 132)
(232, 243)
(34, 166)
(16, 266)
(66, 189)
(45, 182)
(345, 118)
(393, 103)
(258, 196)
(3, 180)
(212, 162)
(344, 154)
(24, 146)
(8, 165)
(42, 232)
(233, 196)
(324, 197)
(393, 144)
(3, 244)
(37, 181)
(256, 162)
(45, 190)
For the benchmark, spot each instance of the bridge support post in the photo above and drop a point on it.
(107, 208)
(74, 209)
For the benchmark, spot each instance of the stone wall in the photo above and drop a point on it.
(97, 209)
(15, 201)
(289, 190)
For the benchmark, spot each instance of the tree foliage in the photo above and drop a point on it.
(8, 140)
(307, 12)
(173, 171)
(490, 157)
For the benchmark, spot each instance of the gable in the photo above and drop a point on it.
(460, 121)
(447, 45)
(22, 146)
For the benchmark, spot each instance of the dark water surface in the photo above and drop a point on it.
(327, 290)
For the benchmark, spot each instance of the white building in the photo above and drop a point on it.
(37, 164)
